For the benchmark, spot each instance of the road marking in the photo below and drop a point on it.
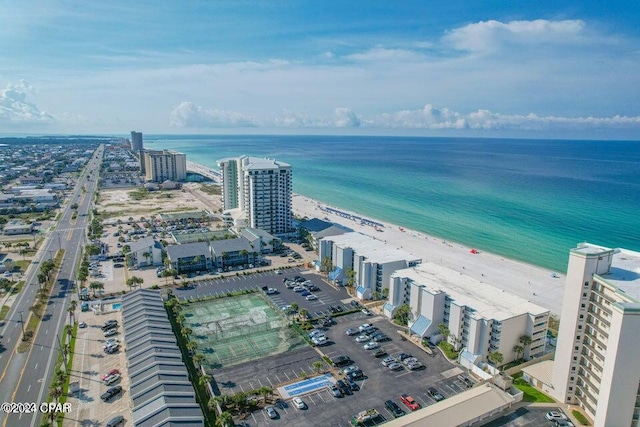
(285, 374)
(278, 378)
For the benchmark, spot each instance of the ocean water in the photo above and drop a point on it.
(530, 200)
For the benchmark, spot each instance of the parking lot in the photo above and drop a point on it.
(322, 408)
(89, 364)
(529, 416)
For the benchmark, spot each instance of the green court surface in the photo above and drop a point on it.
(238, 329)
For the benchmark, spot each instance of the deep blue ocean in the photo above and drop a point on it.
(530, 200)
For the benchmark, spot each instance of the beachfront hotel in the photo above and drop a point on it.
(481, 318)
(596, 363)
(136, 141)
(372, 260)
(165, 165)
(256, 193)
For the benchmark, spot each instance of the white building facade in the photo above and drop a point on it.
(256, 193)
(372, 261)
(165, 165)
(481, 318)
(596, 364)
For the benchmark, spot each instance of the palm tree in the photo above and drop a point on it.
(186, 331)
(326, 265)
(351, 278)
(518, 350)
(225, 419)
(72, 314)
(526, 341)
(147, 256)
(204, 379)
(303, 313)
(318, 365)
(56, 393)
(196, 261)
(294, 306)
(265, 392)
(198, 358)
(96, 286)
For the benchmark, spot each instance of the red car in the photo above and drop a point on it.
(108, 374)
(409, 402)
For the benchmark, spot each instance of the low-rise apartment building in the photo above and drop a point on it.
(481, 318)
(372, 260)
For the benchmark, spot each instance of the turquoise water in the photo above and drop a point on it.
(530, 200)
(116, 306)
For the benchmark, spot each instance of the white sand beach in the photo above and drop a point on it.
(530, 282)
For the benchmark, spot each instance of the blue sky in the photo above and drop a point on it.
(492, 68)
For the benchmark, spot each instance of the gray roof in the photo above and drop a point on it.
(231, 245)
(315, 225)
(334, 230)
(250, 232)
(160, 389)
(141, 244)
(188, 250)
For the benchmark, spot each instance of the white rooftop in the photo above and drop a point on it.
(625, 268)
(374, 250)
(249, 163)
(489, 301)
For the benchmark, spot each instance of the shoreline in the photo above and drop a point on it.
(536, 284)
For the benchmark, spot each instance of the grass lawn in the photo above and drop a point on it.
(580, 417)
(531, 394)
(4, 311)
(22, 265)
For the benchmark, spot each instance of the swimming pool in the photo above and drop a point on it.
(117, 306)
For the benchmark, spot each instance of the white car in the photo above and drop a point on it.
(388, 361)
(311, 297)
(409, 360)
(350, 369)
(362, 338)
(298, 403)
(371, 345)
(555, 416)
(363, 327)
(112, 379)
(298, 289)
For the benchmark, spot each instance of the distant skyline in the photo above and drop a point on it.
(538, 69)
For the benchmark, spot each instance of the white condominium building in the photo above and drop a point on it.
(136, 141)
(372, 261)
(481, 318)
(165, 165)
(256, 192)
(597, 363)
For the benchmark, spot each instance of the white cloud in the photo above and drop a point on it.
(188, 115)
(380, 53)
(16, 110)
(490, 35)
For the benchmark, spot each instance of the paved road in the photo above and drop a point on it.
(26, 377)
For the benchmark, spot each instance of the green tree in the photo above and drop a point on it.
(318, 366)
(518, 350)
(526, 341)
(204, 380)
(294, 306)
(186, 331)
(402, 314)
(265, 392)
(147, 256)
(198, 358)
(444, 330)
(326, 265)
(96, 286)
(225, 419)
(495, 358)
(351, 279)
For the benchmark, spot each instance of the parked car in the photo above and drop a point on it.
(362, 338)
(344, 388)
(298, 289)
(361, 328)
(350, 369)
(394, 408)
(403, 356)
(366, 311)
(314, 332)
(271, 291)
(555, 416)
(112, 379)
(305, 293)
(564, 423)
(381, 352)
(435, 394)
(409, 360)
(388, 361)
(395, 366)
(110, 373)
(271, 412)
(335, 391)
(409, 402)
(298, 403)
(115, 421)
(341, 361)
(371, 345)
(110, 332)
(82, 325)
(311, 297)
(414, 366)
(111, 393)
(354, 385)
(356, 375)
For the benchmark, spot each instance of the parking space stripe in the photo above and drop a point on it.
(311, 399)
(423, 402)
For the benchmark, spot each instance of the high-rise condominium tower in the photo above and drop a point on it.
(596, 364)
(259, 191)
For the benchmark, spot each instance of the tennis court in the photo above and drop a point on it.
(238, 329)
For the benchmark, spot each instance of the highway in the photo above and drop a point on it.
(26, 377)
